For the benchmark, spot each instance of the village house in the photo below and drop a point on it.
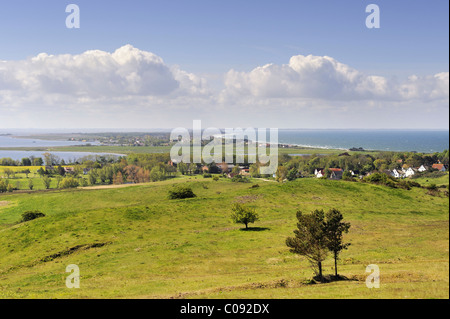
(225, 168)
(422, 168)
(397, 173)
(68, 169)
(439, 167)
(319, 172)
(409, 172)
(336, 173)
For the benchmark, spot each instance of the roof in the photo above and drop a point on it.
(438, 166)
(336, 169)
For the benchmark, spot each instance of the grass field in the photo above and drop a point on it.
(20, 180)
(133, 242)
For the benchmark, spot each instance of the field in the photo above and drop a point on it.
(20, 180)
(132, 242)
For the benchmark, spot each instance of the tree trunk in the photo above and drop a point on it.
(320, 271)
(335, 264)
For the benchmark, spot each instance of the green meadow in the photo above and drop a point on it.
(133, 242)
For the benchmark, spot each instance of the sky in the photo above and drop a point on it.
(285, 64)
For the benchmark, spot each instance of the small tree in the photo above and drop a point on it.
(9, 172)
(3, 186)
(310, 239)
(118, 179)
(182, 168)
(292, 174)
(26, 172)
(92, 177)
(30, 184)
(335, 228)
(46, 180)
(243, 215)
(281, 173)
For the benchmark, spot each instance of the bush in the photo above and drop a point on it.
(3, 186)
(30, 215)
(181, 192)
(240, 179)
(381, 178)
(207, 175)
(215, 178)
(69, 182)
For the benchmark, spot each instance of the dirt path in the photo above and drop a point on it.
(112, 186)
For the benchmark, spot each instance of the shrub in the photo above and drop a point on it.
(181, 192)
(30, 215)
(3, 186)
(207, 175)
(240, 179)
(69, 182)
(215, 178)
(381, 178)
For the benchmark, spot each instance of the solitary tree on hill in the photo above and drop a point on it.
(243, 215)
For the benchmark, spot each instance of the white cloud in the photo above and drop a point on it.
(316, 77)
(95, 74)
(132, 87)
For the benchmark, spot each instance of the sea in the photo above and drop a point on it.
(11, 141)
(421, 141)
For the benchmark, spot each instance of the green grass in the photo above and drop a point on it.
(160, 248)
(426, 181)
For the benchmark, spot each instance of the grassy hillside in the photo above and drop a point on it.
(133, 242)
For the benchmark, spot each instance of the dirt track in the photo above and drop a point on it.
(111, 186)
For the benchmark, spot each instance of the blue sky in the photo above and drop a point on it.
(210, 38)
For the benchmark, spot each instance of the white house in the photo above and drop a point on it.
(319, 173)
(397, 173)
(410, 172)
(422, 169)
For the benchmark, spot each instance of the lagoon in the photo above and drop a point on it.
(9, 141)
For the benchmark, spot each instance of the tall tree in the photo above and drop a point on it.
(310, 239)
(335, 228)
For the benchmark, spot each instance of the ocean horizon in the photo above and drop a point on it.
(402, 140)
